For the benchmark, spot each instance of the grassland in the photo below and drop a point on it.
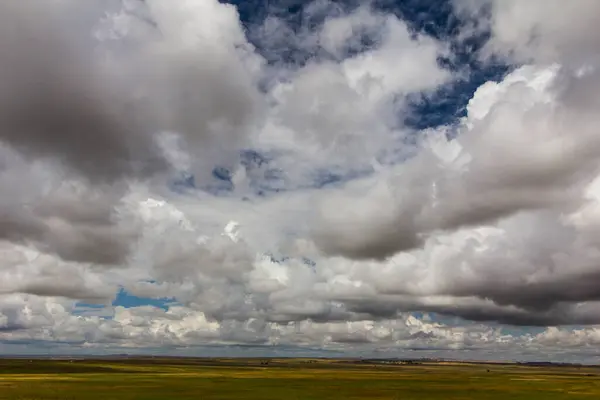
(288, 379)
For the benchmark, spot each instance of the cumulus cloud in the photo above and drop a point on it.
(76, 111)
(523, 146)
(59, 215)
(26, 318)
(63, 119)
(539, 31)
(340, 107)
(194, 69)
(56, 103)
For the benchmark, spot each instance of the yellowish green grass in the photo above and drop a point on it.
(288, 379)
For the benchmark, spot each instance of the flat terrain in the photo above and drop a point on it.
(177, 378)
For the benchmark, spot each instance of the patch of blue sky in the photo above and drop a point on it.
(128, 300)
(447, 104)
(326, 177)
(520, 330)
(183, 182)
(283, 259)
(250, 158)
(83, 305)
(265, 177)
(274, 180)
(221, 183)
(222, 174)
(269, 179)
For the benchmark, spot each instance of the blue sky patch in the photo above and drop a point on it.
(128, 300)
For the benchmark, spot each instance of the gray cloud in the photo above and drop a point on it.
(90, 110)
(55, 103)
(195, 72)
(528, 149)
(68, 218)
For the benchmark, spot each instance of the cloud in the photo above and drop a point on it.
(523, 146)
(510, 188)
(62, 216)
(539, 31)
(74, 109)
(69, 138)
(194, 72)
(336, 226)
(26, 318)
(57, 104)
(339, 108)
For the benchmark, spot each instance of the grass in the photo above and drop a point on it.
(288, 379)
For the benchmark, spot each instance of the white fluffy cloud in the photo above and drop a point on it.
(497, 226)
(27, 318)
(540, 31)
(341, 110)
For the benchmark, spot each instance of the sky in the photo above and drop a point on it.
(295, 178)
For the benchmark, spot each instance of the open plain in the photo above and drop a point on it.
(198, 378)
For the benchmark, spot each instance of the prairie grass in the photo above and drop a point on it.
(288, 379)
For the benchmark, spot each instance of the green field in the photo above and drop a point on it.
(288, 379)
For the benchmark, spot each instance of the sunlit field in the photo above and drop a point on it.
(288, 379)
